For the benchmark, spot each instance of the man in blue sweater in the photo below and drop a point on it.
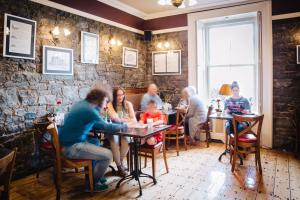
(151, 95)
(73, 135)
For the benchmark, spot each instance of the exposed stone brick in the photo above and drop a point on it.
(286, 81)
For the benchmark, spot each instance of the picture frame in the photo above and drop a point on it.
(130, 57)
(89, 48)
(57, 60)
(166, 62)
(19, 37)
(298, 54)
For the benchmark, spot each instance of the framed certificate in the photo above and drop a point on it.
(57, 60)
(130, 57)
(166, 62)
(19, 37)
(89, 48)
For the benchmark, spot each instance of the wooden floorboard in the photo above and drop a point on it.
(195, 174)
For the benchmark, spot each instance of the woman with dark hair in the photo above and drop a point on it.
(235, 104)
(120, 110)
(73, 135)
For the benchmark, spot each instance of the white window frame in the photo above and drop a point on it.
(254, 65)
(265, 60)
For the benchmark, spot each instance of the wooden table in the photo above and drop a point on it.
(136, 134)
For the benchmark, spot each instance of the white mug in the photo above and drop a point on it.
(150, 122)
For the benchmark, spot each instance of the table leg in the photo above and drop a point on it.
(136, 173)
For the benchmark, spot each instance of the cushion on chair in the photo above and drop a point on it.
(173, 127)
(46, 146)
(246, 138)
(147, 146)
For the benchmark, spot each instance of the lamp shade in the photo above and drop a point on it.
(225, 90)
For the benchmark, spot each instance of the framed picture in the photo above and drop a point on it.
(89, 48)
(19, 37)
(298, 54)
(130, 57)
(57, 60)
(166, 62)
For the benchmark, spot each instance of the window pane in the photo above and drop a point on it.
(221, 75)
(231, 44)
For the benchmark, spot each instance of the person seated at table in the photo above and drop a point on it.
(235, 104)
(120, 110)
(151, 95)
(196, 114)
(152, 113)
(73, 135)
(183, 102)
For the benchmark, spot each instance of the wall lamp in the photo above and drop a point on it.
(115, 42)
(161, 45)
(56, 31)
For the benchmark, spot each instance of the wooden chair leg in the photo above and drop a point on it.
(153, 154)
(165, 159)
(259, 161)
(91, 178)
(145, 162)
(177, 144)
(184, 140)
(233, 161)
(207, 139)
(5, 193)
(127, 157)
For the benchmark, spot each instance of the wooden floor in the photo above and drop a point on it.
(195, 174)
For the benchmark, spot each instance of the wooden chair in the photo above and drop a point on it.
(42, 145)
(205, 126)
(151, 152)
(60, 161)
(246, 141)
(177, 132)
(6, 168)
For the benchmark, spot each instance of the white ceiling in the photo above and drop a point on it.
(151, 6)
(149, 9)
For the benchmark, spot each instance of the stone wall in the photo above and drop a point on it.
(286, 35)
(170, 86)
(25, 93)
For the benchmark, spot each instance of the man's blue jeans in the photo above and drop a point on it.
(101, 156)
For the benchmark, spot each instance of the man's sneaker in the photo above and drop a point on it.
(103, 180)
(98, 188)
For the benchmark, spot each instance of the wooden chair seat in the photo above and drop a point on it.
(151, 151)
(246, 138)
(46, 146)
(146, 146)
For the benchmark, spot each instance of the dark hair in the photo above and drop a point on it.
(152, 102)
(115, 95)
(234, 84)
(96, 96)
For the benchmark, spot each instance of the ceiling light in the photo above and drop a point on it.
(177, 3)
(164, 2)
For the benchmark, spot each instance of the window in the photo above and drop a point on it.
(230, 55)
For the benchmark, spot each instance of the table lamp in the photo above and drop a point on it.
(225, 90)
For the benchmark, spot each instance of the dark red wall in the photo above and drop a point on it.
(100, 9)
(108, 12)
